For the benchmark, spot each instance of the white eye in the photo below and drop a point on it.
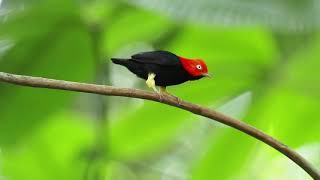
(199, 67)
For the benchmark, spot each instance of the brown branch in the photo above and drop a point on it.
(172, 101)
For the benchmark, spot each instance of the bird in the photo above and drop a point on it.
(163, 68)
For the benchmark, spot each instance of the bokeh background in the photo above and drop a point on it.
(263, 54)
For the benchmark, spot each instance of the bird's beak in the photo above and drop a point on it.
(207, 75)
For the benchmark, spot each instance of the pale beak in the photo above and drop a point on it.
(207, 75)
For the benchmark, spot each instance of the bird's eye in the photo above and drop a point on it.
(199, 67)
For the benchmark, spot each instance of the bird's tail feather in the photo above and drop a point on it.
(119, 61)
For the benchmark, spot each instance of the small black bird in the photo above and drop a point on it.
(163, 68)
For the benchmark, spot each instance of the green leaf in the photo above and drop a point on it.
(144, 130)
(288, 15)
(238, 106)
(292, 105)
(64, 53)
(227, 150)
(227, 155)
(283, 168)
(38, 20)
(53, 151)
(128, 29)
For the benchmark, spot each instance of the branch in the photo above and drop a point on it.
(165, 99)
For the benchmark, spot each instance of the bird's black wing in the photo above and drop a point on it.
(163, 58)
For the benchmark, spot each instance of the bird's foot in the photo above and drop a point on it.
(165, 92)
(177, 99)
(160, 97)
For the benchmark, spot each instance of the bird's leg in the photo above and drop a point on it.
(151, 82)
(163, 90)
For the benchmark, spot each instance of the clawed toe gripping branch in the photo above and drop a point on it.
(169, 100)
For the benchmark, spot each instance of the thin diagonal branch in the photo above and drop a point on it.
(169, 100)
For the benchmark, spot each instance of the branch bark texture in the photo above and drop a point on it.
(165, 99)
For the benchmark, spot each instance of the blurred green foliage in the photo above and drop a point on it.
(48, 134)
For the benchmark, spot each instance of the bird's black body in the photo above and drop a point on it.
(166, 65)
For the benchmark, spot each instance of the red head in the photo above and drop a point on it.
(197, 67)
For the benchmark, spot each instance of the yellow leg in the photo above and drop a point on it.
(163, 90)
(151, 82)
